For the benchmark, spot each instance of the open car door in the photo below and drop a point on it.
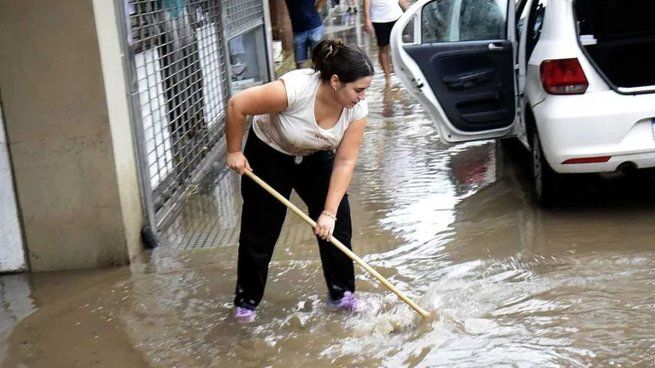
(457, 58)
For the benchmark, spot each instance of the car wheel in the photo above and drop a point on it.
(546, 181)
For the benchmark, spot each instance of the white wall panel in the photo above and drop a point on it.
(12, 256)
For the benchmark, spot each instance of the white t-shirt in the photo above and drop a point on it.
(384, 11)
(294, 131)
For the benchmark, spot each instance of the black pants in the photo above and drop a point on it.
(383, 32)
(263, 215)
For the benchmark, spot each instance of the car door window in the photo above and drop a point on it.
(408, 32)
(463, 20)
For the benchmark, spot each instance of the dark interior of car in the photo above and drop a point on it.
(624, 31)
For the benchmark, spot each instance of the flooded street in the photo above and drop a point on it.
(454, 227)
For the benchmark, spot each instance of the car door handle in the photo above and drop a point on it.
(494, 46)
(469, 79)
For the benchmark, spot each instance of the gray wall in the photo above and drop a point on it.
(73, 165)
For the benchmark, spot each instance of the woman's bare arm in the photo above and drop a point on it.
(268, 98)
(344, 164)
(368, 26)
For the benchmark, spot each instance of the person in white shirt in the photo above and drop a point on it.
(381, 15)
(306, 133)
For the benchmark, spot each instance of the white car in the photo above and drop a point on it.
(574, 80)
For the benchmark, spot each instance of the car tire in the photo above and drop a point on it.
(546, 182)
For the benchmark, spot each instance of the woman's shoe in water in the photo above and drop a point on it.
(348, 302)
(244, 314)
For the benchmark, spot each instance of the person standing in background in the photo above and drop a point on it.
(381, 15)
(307, 27)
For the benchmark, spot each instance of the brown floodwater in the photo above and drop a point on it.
(454, 227)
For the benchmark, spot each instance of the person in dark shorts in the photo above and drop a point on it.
(381, 15)
(307, 27)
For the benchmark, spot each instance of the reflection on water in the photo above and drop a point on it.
(454, 227)
(16, 305)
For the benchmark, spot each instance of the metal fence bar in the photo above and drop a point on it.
(241, 14)
(135, 113)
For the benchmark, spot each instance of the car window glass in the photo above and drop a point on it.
(535, 24)
(408, 32)
(535, 30)
(521, 18)
(463, 20)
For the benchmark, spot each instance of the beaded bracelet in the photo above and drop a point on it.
(333, 217)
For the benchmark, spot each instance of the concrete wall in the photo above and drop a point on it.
(106, 17)
(75, 184)
(12, 256)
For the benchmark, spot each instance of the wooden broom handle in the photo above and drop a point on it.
(338, 244)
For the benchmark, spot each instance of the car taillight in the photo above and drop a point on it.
(563, 77)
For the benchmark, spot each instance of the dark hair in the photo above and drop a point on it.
(348, 62)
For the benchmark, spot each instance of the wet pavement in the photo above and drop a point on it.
(454, 227)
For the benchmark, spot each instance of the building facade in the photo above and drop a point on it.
(112, 111)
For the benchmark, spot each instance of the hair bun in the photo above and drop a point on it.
(333, 48)
(334, 56)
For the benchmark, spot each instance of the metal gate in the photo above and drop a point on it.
(178, 75)
(242, 15)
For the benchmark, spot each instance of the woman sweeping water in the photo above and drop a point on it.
(307, 130)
